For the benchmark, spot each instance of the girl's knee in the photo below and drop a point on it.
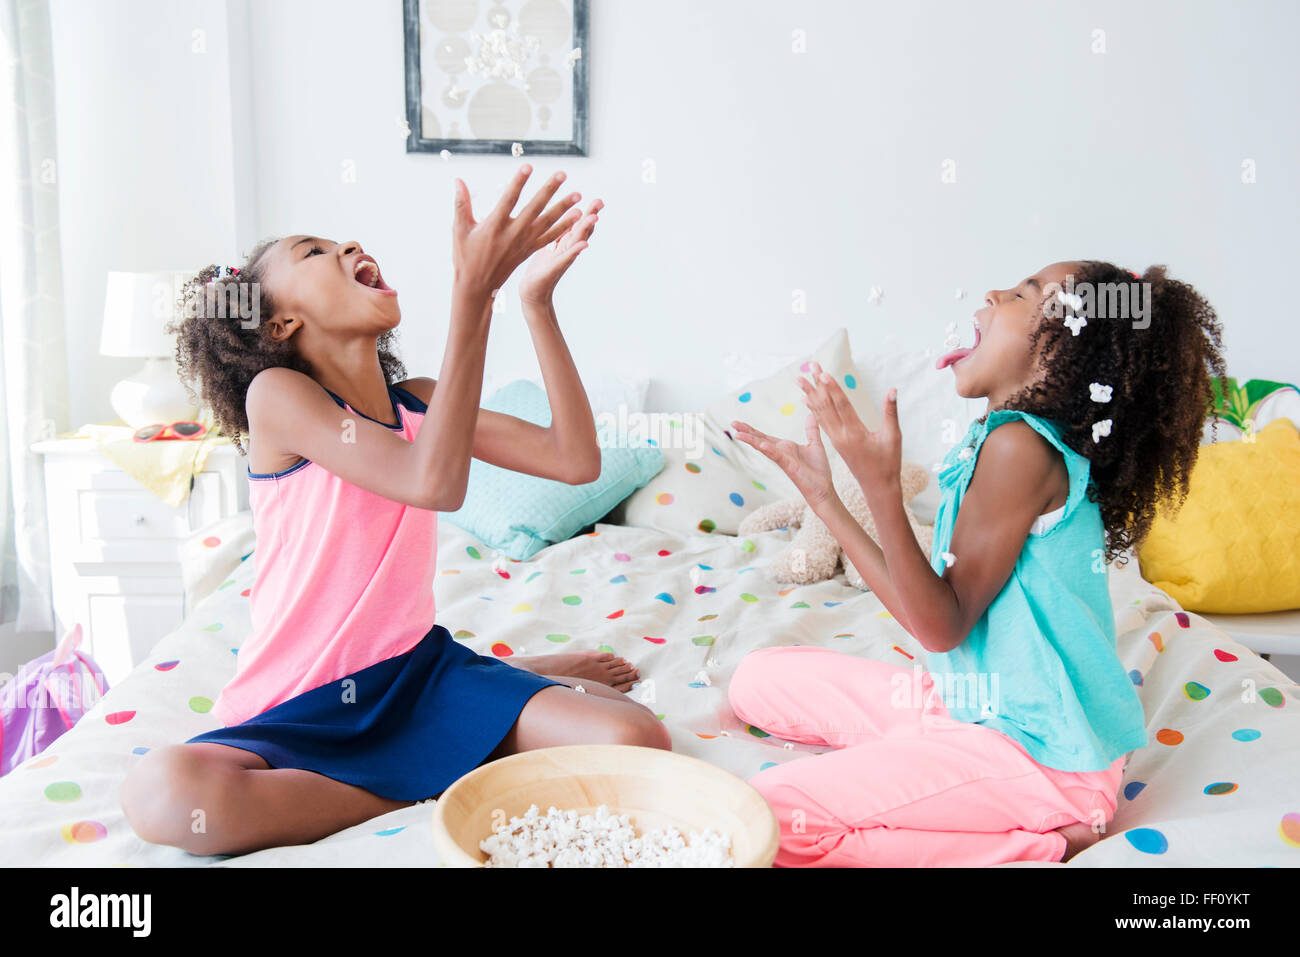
(641, 729)
(755, 674)
(164, 797)
(805, 831)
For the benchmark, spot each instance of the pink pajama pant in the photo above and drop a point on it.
(907, 785)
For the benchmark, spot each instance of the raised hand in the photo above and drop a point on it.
(484, 254)
(551, 262)
(807, 466)
(874, 457)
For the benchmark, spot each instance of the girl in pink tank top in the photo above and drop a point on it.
(349, 699)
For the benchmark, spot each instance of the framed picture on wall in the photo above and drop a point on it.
(496, 76)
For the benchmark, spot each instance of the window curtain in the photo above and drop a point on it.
(33, 360)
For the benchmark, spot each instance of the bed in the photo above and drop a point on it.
(1218, 784)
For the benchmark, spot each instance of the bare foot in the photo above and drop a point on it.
(599, 666)
(1078, 837)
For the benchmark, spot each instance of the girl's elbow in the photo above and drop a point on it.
(586, 471)
(441, 495)
(449, 503)
(939, 641)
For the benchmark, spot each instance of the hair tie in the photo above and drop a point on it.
(224, 272)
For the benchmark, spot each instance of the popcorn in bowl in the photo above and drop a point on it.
(601, 839)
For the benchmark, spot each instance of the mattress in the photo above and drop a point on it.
(1218, 784)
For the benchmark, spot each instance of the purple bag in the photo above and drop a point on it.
(46, 698)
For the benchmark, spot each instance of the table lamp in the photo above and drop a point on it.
(137, 306)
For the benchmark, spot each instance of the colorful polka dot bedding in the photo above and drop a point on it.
(1217, 785)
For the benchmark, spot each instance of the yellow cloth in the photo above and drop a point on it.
(1232, 549)
(165, 467)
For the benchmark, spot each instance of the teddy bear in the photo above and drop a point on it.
(814, 554)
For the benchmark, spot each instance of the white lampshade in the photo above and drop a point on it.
(137, 308)
(137, 305)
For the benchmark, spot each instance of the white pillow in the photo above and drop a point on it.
(931, 415)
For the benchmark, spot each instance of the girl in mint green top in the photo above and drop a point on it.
(1049, 634)
(1097, 381)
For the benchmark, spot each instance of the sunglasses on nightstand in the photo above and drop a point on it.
(177, 430)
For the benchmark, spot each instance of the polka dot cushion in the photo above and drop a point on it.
(711, 481)
(776, 405)
(708, 493)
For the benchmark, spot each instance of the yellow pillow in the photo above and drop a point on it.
(1232, 548)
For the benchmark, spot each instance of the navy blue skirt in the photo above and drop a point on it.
(405, 729)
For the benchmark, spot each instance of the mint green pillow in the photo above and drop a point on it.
(519, 514)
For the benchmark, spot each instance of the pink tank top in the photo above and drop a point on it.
(344, 579)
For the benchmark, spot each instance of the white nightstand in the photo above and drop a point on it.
(114, 546)
(1265, 633)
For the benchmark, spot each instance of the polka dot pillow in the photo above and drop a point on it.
(711, 481)
(775, 405)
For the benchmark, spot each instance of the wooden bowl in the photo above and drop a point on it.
(654, 788)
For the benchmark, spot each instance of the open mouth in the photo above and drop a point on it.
(952, 358)
(366, 272)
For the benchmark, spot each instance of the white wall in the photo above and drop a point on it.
(775, 171)
(148, 174)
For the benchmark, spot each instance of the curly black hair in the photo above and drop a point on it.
(1159, 369)
(222, 340)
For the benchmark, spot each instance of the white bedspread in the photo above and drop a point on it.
(1219, 784)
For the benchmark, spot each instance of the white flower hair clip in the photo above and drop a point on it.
(1099, 429)
(1099, 392)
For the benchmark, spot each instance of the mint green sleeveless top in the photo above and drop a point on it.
(1040, 664)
